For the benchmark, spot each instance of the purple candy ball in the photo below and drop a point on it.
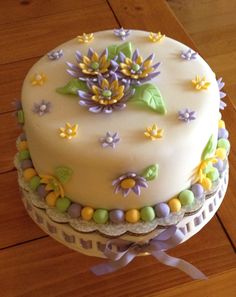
(117, 216)
(162, 210)
(197, 190)
(24, 164)
(42, 192)
(219, 165)
(74, 210)
(23, 137)
(223, 133)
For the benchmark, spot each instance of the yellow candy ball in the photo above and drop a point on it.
(127, 183)
(174, 205)
(22, 146)
(132, 216)
(87, 213)
(221, 153)
(221, 124)
(206, 183)
(29, 173)
(51, 199)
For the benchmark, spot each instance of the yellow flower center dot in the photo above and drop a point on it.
(127, 183)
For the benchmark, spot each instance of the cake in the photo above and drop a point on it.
(122, 138)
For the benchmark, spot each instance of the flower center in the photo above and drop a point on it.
(38, 77)
(109, 139)
(122, 33)
(69, 131)
(186, 115)
(127, 183)
(43, 107)
(94, 65)
(135, 67)
(106, 93)
(154, 132)
(202, 83)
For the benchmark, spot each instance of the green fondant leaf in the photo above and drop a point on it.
(72, 87)
(63, 174)
(150, 96)
(114, 50)
(209, 148)
(20, 117)
(151, 172)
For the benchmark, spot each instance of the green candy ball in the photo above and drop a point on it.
(213, 175)
(34, 183)
(100, 216)
(63, 204)
(223, 143)
(24, 155)
(186, 197)
(147, 214)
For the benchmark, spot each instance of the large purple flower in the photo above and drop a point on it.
(106, 95)
(90, 66)
(221, 84)
(128, 182)
(136, 69)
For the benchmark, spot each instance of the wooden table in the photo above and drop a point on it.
(31, 263)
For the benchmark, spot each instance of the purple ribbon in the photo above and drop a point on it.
(167, 239)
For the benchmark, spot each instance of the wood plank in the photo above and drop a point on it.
(47, 268)
(41, 36)
(16, 225)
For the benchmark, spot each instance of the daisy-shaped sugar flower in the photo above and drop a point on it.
(187, 115)
(85, 38)
(155, 37)
(38, 79)
(153, 132)
(107, 95)
(110, 140)
(188, 55)
(128, 182)
(91, 65)
(136, 69)
(200, 83)
(42, 107)
(55, 55)
(69, 131)
(122, 33)
(221, 84)
(52, 184)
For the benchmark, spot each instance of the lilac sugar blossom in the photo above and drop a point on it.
(55, 55)
(187, 115)
(221, 84)
(42, 108)
(122, 33)
(188, 55)
(110, 140)
(128, 182)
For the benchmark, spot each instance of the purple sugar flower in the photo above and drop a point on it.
(129, 181)
(42, 108)
(110, 140)
(221, 84)
(122, 33)
(187, 115)
(55, 55)
(188, 55)
(106, 95)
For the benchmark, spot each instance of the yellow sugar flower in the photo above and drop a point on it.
(156, 37)
(154, 132)
(201, 176)
(38, 79)
(68, 131)
(52, 184)
(200, 83)
(85, 38)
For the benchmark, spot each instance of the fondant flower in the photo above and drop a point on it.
(68, 131)
(128, 182)
(38, 79)
(188, 55)
(110, 140)
(106, 95)
(88, 67)
(122, 33)
(137, 69)
(221, 84)
(52, 184)
(85, 38)
(200, 83)
(201, 173)
(154, 132)
(156, 37)
(42, 107)
(55, 55)
(187, 115)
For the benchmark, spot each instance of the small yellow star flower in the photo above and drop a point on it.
(154, 132)
(200, 83)
(38, 79)
(68, 131)
(85, 38)
(156, 37)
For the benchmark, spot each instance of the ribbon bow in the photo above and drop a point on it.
(169, 238)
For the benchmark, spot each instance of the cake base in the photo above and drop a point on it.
(93, 243)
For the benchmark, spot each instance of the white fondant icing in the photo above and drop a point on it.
(178, 153)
